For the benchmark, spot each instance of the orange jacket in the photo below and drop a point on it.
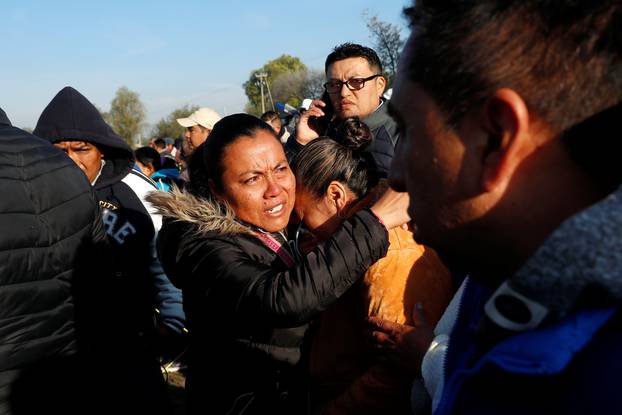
(341, 366)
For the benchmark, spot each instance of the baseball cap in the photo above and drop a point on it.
(169, 141)
(205, 117)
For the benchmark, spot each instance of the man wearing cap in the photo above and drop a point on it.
(354, 87)
(198, 126)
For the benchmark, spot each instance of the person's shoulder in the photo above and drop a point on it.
(139, 182)
(212, 247)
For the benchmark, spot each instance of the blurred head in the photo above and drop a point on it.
(148, 160)
(331, 175)
(86, 155)
(484, 107)
(358, 66)
(243, 165)
(170, 144)
(273, 119)
(159, 144)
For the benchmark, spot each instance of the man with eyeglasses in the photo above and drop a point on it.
(354, 88)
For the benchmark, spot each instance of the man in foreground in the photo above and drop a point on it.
(509, 153)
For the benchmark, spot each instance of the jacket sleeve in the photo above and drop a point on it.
(246, 290)
(168, 297)
(292, 147)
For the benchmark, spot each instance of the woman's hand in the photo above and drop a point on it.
(392, 208)
(402, 344)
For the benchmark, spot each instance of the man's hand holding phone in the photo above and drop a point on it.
(308, 129)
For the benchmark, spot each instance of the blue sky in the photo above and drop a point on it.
(192, 52)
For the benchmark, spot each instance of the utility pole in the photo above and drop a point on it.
(262, 78)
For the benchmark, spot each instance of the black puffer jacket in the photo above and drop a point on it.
(50, 226)
(382, 147)
(130, 290)
(247, 312)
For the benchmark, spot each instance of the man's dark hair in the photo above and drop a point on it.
(269, 116)
(160, 143)
(147, 155)
(353, 50)
(562, 56)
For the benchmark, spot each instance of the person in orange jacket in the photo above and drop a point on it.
(334, 180)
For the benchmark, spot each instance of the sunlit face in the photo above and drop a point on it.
(433, 164)
(196, 135)
(317, 213)
(85, 155)
(257, 181)
(147, 169)
(359, 103)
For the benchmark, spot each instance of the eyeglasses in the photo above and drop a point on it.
(353, 84)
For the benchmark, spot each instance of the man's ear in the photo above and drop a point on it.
(381, 84)
(337, 195)
(150, 169)
(505, 119)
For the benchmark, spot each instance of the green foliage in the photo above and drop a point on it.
(169, 127)
(126, 115)
(274, 68)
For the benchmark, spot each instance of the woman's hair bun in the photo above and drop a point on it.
(353, 133)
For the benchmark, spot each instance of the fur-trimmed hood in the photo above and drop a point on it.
(208, 216)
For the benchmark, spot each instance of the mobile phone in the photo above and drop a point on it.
(321, 123)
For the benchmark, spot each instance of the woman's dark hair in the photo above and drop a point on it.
(147, 155)
(206, 161)
(338, 158)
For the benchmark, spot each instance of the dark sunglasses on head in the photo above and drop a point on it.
(353, 84)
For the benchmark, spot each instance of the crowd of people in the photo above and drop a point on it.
(455, 249)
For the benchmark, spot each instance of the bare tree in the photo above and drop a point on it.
(314, 87)
(293, 87)
(387, 42)
(289, 87)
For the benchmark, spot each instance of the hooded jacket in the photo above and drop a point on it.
(71, 117)
(246, 310)
(50, 231)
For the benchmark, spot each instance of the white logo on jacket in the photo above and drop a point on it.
(118, 233)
